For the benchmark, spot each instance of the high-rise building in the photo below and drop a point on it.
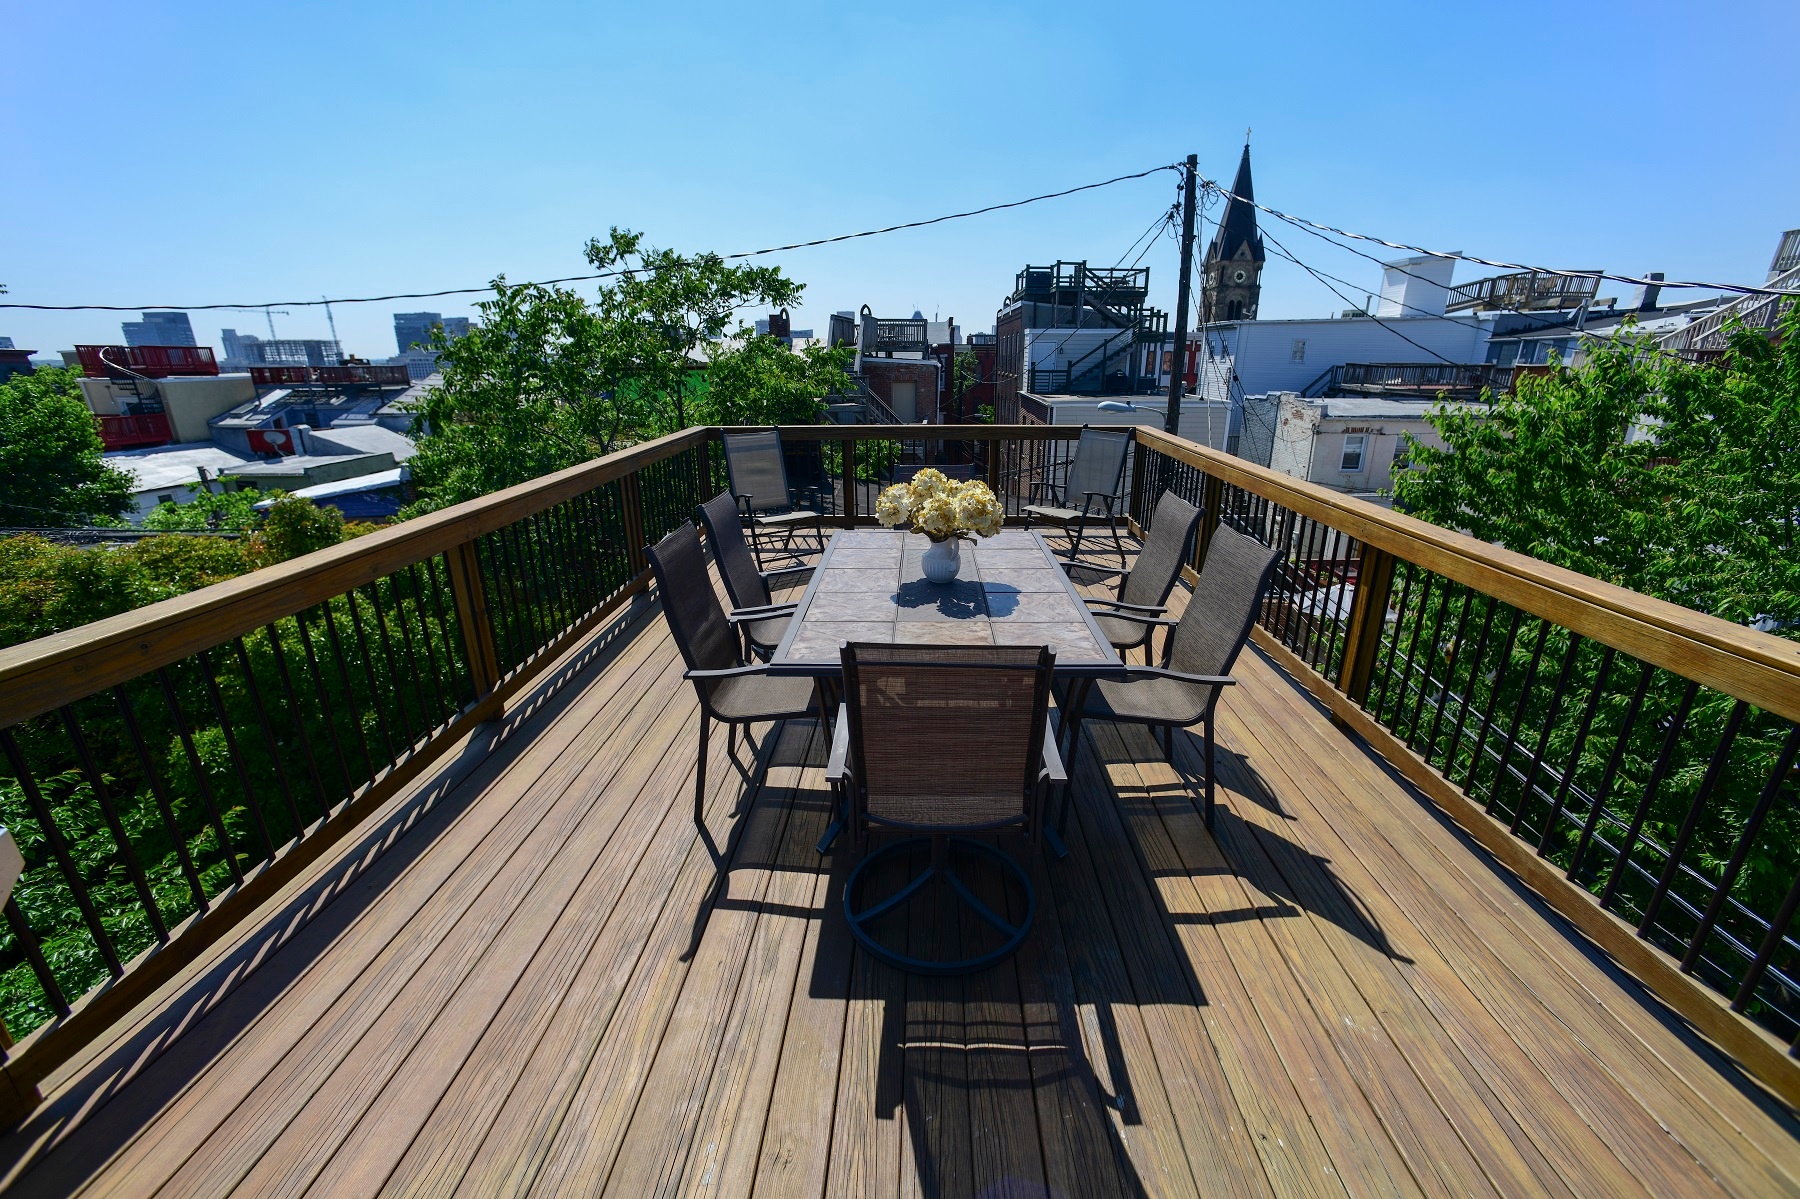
(160, 329)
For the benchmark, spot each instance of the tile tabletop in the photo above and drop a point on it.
(871, 587)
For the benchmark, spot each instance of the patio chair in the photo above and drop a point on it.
(1144, 589)
(730, 691)
(944, 740)
(761, 620)
(759, 483)
(1201, 648)
(1096, 476)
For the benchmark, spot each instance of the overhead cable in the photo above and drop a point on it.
(460, 291)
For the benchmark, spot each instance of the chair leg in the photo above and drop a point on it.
(731, 739)
(1169, 741)
(1210, 772)
(1112, 518)
(700, 776)
(1080, 527)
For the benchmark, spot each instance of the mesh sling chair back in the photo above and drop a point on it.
(759, 483)
(1096, 477)
(729, 691)
(1202, 647)
(761, 620)
(1130, 620)
(940, 740)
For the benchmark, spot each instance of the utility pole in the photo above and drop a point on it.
(1178, 365)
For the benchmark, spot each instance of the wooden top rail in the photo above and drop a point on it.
(1759, 668)
(42, 675)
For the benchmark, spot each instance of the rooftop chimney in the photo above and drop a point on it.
(1649, 293)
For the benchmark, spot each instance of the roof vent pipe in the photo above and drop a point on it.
(1650, 292)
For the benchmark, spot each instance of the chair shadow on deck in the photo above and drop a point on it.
(1017, 1081)
(124, 1089)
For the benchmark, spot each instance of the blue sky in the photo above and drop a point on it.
(191, 153)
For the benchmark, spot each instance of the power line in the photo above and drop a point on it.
(1302, 222)
(460, 291)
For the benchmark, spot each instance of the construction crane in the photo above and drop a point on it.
(330, 321)
(270, 313)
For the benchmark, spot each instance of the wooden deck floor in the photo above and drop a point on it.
(526, 978)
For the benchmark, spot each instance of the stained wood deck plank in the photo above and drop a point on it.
(525, 985)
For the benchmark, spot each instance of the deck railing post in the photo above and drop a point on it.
(1212, 498)
(1368, 616)
(993, 465)
(470, 592)
(631, 501)
(849, 472)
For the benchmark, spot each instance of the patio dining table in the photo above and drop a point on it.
(1011, 590)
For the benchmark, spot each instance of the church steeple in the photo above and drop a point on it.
(1234, 260)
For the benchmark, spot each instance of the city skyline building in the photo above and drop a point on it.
(160, 329)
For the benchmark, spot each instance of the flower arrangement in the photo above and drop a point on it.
(939, 507)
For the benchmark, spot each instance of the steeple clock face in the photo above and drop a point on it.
(1238, 276)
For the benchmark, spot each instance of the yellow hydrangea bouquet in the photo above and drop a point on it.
(943, 510)
(939, 507)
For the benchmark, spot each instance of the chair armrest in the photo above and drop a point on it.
(729, 672)
(1161, 622)
(743, 615)
(1163, 672)
(1124, 607)
(1054, 771)
(771, 575)
(1104, 572)
(838, 768)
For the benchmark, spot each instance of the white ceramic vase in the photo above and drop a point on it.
(943, 559)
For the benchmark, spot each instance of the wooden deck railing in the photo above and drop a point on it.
(169, 769)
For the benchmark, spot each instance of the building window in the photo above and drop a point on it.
(1354, 446)
(1299, 349)
(1400, 462)
(1234, 310)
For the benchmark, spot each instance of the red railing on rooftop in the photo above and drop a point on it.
(155, 362)
(124, 432)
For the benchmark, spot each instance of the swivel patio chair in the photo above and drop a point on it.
(730, 691)
(761, 620)
(1096, 478)
(1202, 646)
(1144, 589)
(759, 483)
(944, 741)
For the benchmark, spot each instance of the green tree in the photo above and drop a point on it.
(545, 379)
(230, 512)
(762, 381)
(1678, 480)
(52, 474)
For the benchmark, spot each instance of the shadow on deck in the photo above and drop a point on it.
(527, 977)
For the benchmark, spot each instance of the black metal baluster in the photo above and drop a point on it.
(1613, 764)
(1543, 743)
(327, 710)
(34, 953)
(1395, 720)
(1456, 656)
(1677, 726)
(451, 639)
(531, 633)
(268, 732)
(165, 805)
(1427, 662)
(1476, 662)
(1512, 729)
(368, 664)
(320, 799)
(236, 755)
(207, 799)
(59, 847)
(1581, 736)
(1771, 943)
(1406, 569)
(1502, 668)
(1709, 783)
(1741, 852)
(110, 812)
(343, 671)
(1354, 550)
(404, 714)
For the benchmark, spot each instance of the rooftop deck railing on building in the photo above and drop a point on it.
(167, 770)
(1760, 312)
(1425, 379)
(1526, 291)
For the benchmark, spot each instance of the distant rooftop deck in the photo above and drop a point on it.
(523, 976)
